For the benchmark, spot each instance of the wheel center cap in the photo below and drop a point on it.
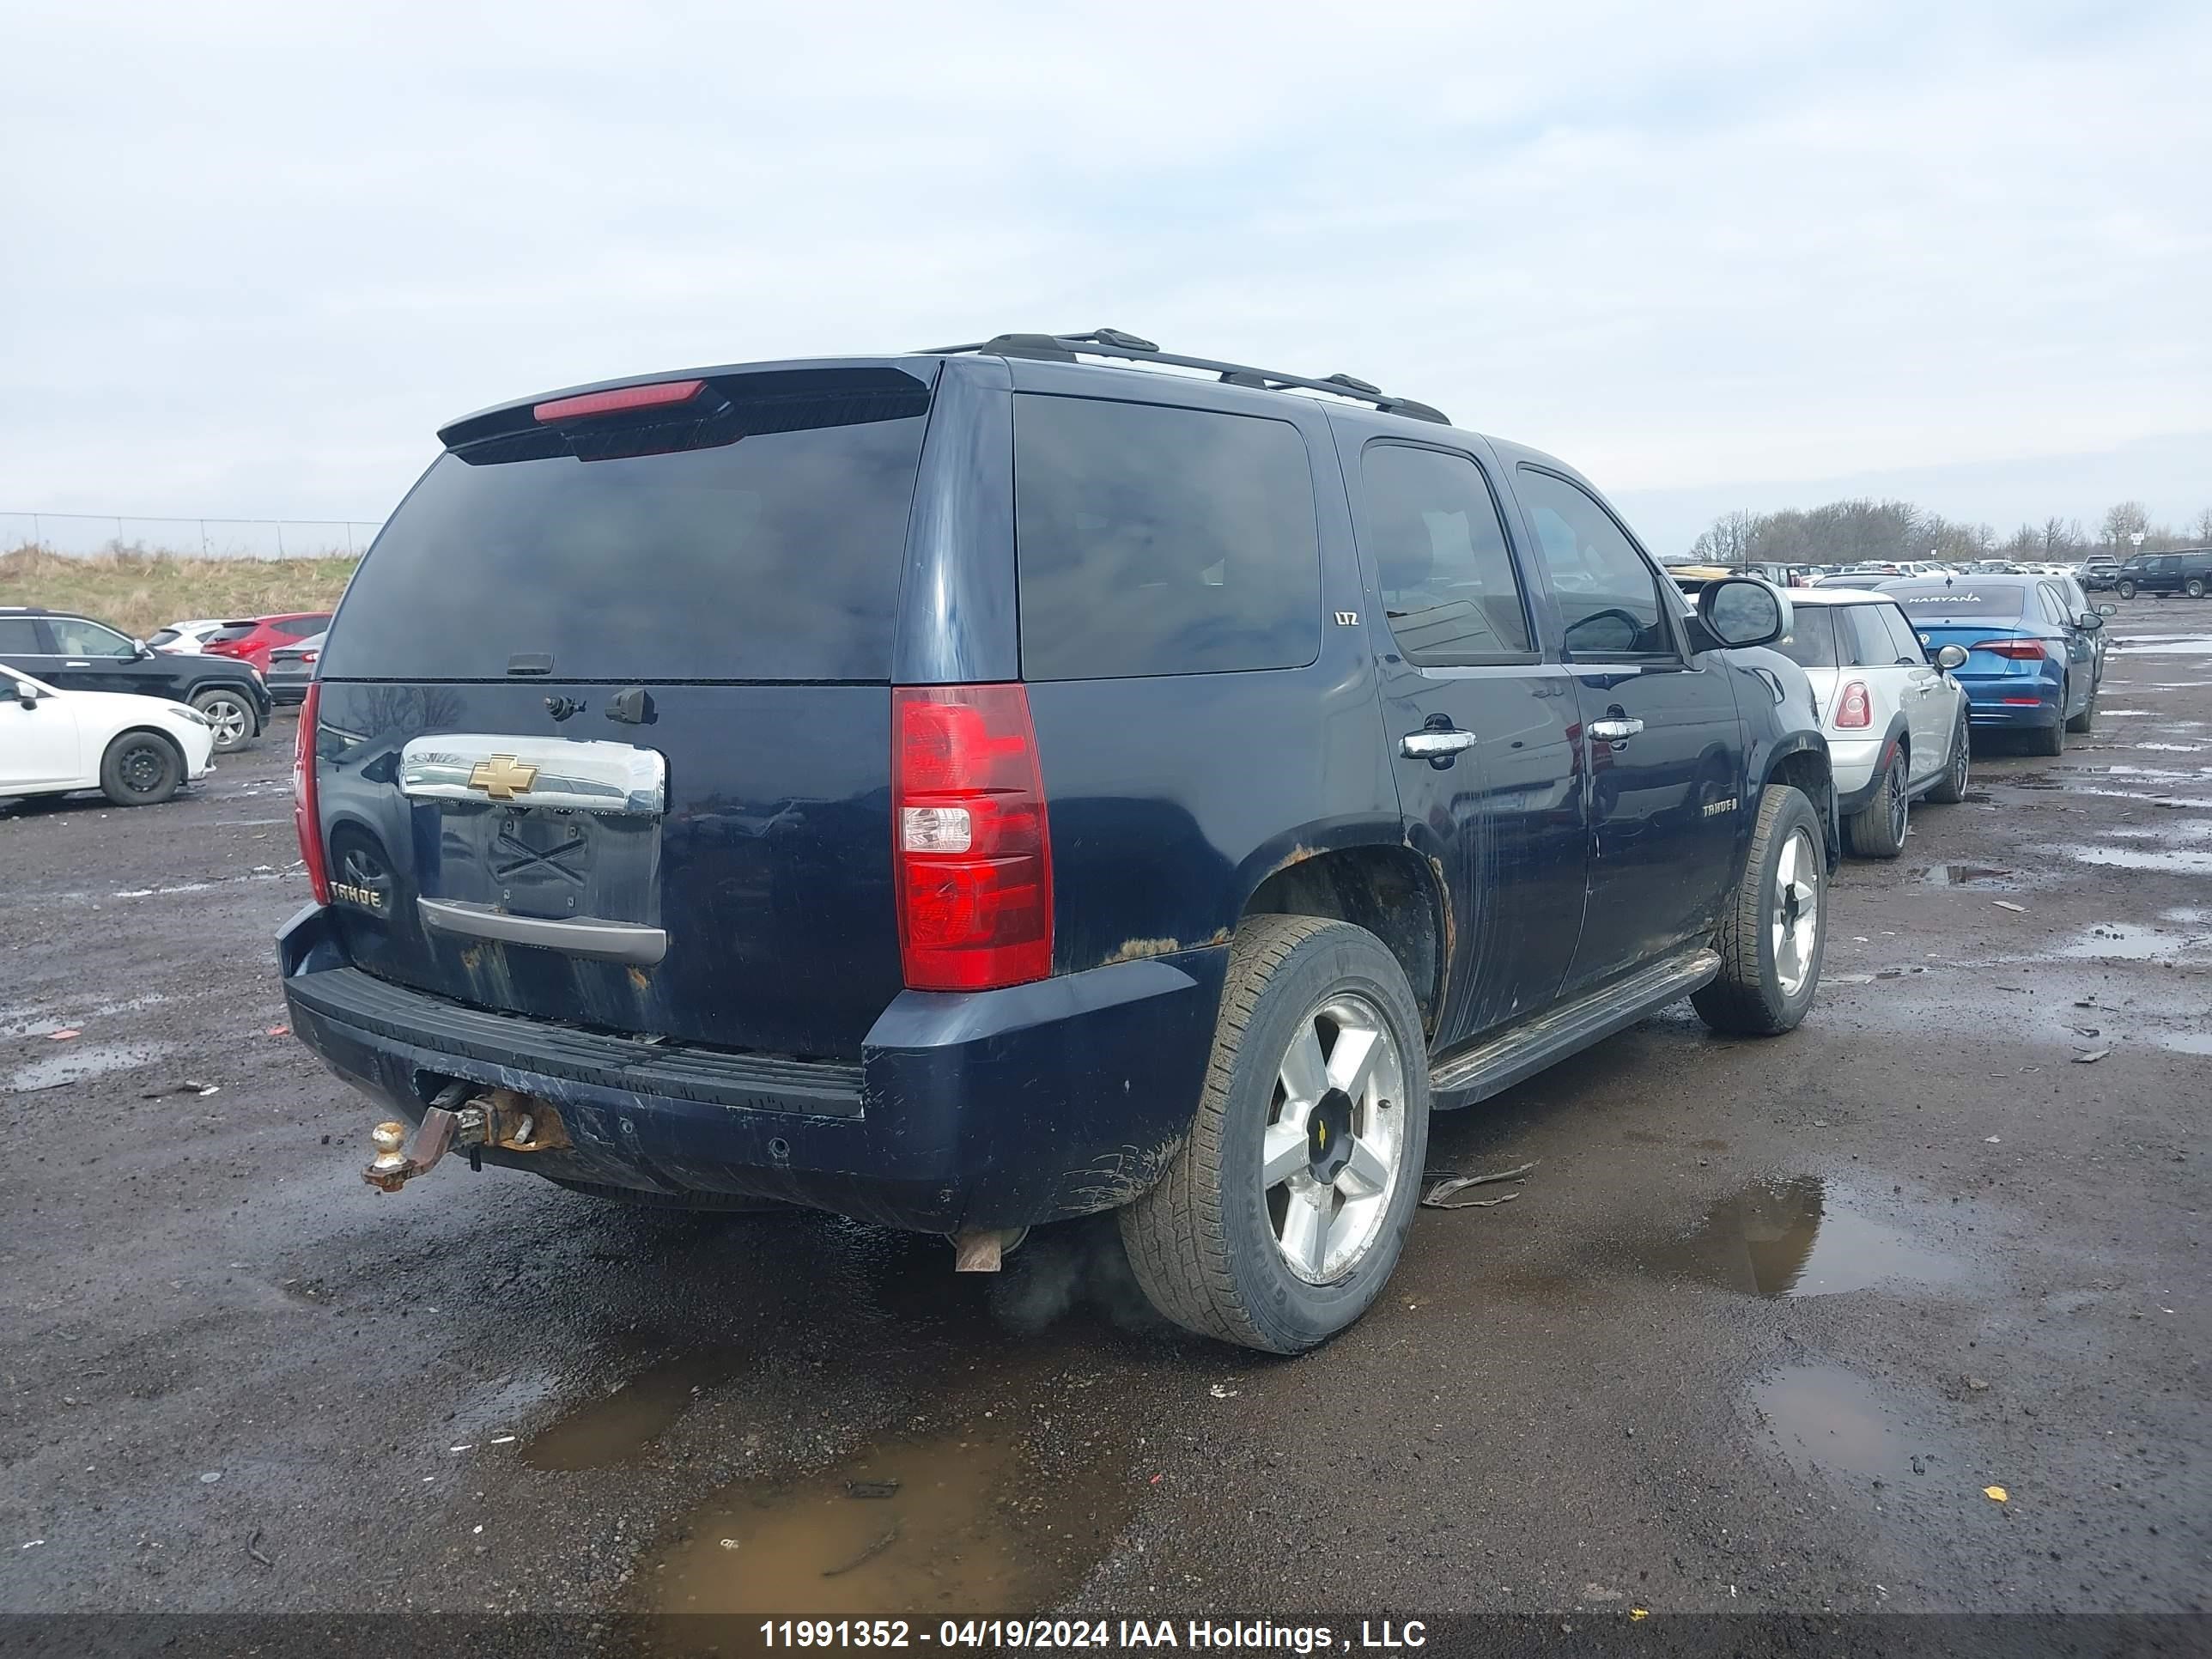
(1329, 1136)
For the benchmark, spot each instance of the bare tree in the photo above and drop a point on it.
(2201, 529)
(2127, 519)
(1731, 540)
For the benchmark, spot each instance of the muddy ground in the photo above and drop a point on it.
(1765, 1324)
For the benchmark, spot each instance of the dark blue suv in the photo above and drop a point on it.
(1019, 780)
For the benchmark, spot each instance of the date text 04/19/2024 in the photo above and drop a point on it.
(999, 1634)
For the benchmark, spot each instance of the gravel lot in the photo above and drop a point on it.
(1765, 1322)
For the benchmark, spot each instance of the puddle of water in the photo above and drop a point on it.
(969, 1528)
(2171, 747)
(2128, 941)
(2173, 860)
(1967, 875)
(1827, 1418)
(82, 1060)
(1798, 1236)
(2183, 1043)
(2168, 645)
(614, 1430)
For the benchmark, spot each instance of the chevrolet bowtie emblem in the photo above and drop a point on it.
(502, 777)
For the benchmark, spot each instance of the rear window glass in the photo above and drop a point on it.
(1811, 641)
(761, 539)
(1154, 540)
(1933, 601)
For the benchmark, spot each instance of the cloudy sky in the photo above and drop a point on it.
(1716, 255)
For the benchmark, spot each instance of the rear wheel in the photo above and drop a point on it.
(2049, 740)
(1877, 830)
(2088, 718)
(2194, 587)
(141, 769)
(1285, 1209)
(231, 716)
(1951, 789)
(1774, 932)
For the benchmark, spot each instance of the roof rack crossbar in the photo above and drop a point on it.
(1130, 347)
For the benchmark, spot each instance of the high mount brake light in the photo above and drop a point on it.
(2015, 650)
(307, 819)
(1857, 708)
(620, 401)
(969, 838)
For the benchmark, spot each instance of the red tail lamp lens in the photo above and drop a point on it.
(620, 401)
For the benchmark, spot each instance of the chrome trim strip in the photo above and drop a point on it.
(577, 936)
(575, 777)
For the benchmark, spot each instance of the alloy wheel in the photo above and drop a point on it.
(228, 718)
(1795, 921)
(1330, 1159)
(1899, 806)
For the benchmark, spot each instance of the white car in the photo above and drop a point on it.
(185, 639)
(136, 751)
(1895, 722)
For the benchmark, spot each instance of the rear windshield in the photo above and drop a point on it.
(1811, 641)
(758, 535)
(1930, 602)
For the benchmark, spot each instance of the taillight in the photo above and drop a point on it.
(620, 401)
(305, 817)
(969, 836)
(309, 656)
(1856, 707)
(2017, 650)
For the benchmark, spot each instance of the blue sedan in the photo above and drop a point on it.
(2030, 663)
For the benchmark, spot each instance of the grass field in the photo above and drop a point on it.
(139, 591)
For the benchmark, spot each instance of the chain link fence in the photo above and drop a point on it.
(81, 535)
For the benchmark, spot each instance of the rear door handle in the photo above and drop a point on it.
(1615, 731)
(76, 664)
(1435, 744)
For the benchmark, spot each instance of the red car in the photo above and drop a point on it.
(252, 639)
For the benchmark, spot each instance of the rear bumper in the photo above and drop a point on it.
(1985, 704)
(1855, 763)
(288, 693)
(994, 1109)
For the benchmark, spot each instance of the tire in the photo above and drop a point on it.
(231, 713)
(1213, 1244)
(2194, 587)
(1877, 830)
(2050, 741)
(2125, 590)
(1951, 788)
(2087, 719)
(1754, 995)
(141, 769)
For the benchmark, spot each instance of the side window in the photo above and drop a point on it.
(19, 637)
(1607, 595)
(1904, 641)
(2054, 608)
(1865, 643)
(1432, 530)
(1153, 540)
(75, 637)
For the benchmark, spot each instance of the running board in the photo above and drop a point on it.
(1522, 1052)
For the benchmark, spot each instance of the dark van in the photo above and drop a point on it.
(1011, 782)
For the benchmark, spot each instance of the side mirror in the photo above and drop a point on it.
(1742, 611)
(2089, 621)
(26, 693)
(2108, 611)
(144, 653)
(1951, 657)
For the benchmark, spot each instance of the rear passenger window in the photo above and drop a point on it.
(1864, 639)
(19, 637)
(1607, 594)
(1154, 540)
(1432, 530)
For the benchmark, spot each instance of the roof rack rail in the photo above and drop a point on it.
(1130, 347)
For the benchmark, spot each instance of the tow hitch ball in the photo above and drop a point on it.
(497, 1117)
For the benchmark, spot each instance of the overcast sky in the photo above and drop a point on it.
(1715, 255)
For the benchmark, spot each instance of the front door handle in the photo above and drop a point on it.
(76, 664)
(1436, 745)
(1615, 731)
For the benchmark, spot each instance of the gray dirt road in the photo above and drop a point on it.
(1764, 1323)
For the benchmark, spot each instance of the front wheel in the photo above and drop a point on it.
(1285, 1211)
(1774, 932)
(1877, 830)
(1951, 788)
(2125, 590)
(141, 769)
(231, 716)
